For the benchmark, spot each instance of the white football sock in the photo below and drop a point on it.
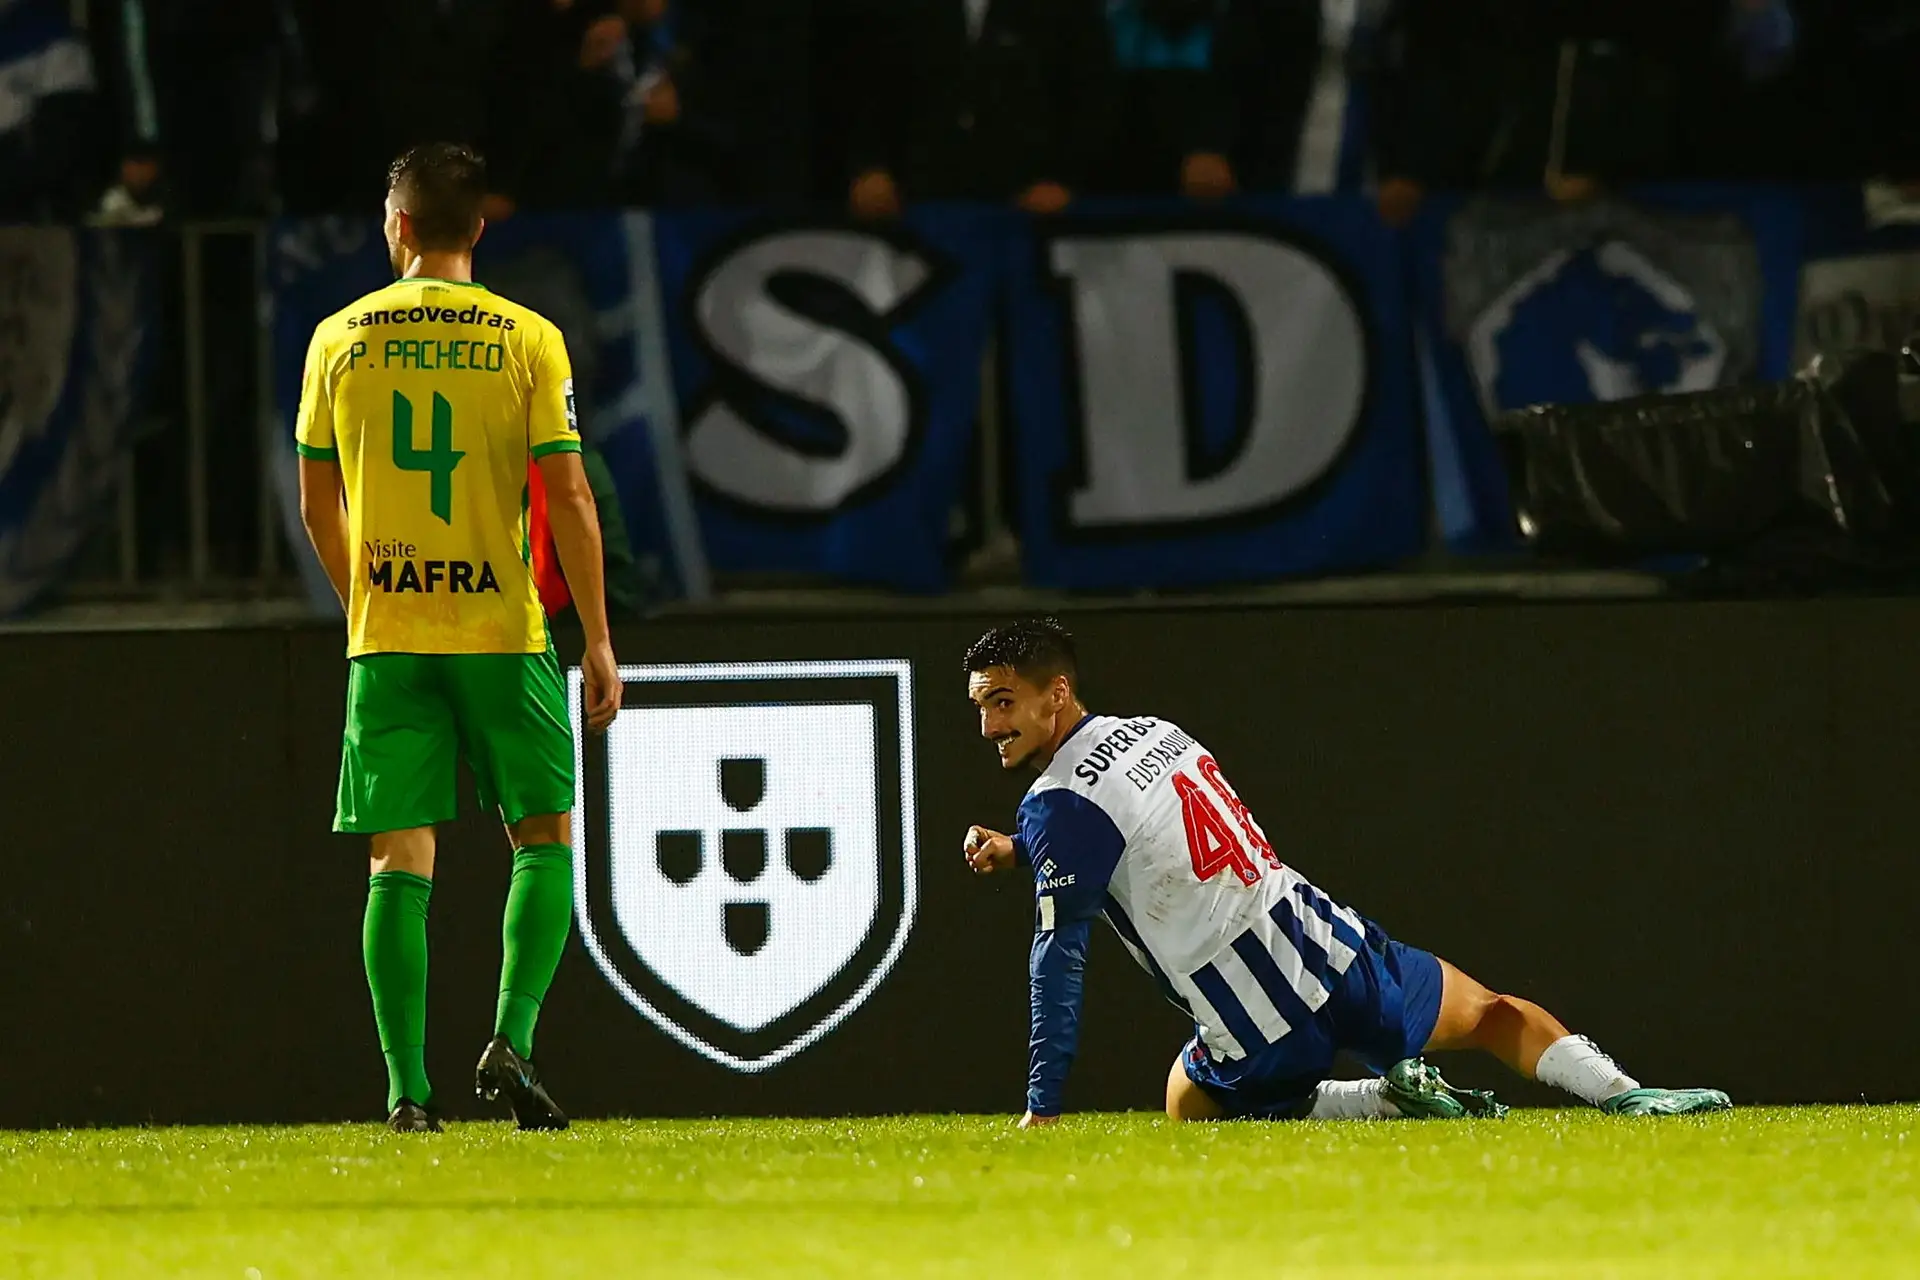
(1352, 1100)
(1576, 1064)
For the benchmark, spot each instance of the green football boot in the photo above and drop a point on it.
(1666, 1102)
(1420, 1093)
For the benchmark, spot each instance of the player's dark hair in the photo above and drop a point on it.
(1037, 648)
(441, 186)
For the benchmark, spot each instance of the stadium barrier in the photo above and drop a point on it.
(155, 385)
(1685, 828)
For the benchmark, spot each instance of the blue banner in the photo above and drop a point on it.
(1208, 397)
(1189, 396)
(1525, 302)
(829, 379)
(591, 275)
(76, 323)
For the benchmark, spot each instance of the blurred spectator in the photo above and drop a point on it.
(1176, 122)
(47, 102)
(1334, 152)
(392, 73)
(1610, 77)
(1768, 98)
(1309, 77)
(1567, 98)
(1001, 100)
(195, 86)
(1762, 36)
(445, 71)
(1880, 53)
(620, 119)
(753, 66)
(573, 60)
(679, 138)
(1442, 105)
(1343, 95)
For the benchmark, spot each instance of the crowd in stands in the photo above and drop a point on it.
(131, 110)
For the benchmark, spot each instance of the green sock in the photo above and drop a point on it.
(394, 944)
(533, 934)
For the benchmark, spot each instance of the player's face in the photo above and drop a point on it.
(1017, 716)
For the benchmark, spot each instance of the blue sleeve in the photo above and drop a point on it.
(1074, 847)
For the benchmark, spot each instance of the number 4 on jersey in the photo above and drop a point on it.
(438, 459)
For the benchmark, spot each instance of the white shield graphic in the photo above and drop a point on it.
(1668, 315)
(746, 856)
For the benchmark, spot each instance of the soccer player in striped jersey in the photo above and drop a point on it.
(1132, 820)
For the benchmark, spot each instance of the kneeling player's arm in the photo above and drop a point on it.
(575, 522)
(1055, 968)
(1074, 848)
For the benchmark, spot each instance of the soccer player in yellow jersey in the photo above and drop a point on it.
(420, 407)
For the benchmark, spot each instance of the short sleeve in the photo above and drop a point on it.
(313, 428)
(552, 426)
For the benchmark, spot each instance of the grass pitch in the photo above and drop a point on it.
(1803, 1192)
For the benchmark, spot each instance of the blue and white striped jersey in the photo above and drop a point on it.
(1134, 821)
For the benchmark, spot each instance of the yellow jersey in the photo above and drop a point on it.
(432, 396)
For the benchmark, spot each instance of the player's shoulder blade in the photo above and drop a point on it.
(528, 325)
(385, 306)
(1104, 747)
(422, 302)
(337, 327)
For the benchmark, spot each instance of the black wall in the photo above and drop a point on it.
(1688, 829)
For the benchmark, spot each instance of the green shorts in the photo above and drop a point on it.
(410, 715)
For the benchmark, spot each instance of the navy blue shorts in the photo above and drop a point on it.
(1384, 1009)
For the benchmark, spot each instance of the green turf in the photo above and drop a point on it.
(1810, 1191)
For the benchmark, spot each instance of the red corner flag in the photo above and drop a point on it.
(545, 558)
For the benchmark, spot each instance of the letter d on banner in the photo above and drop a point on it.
(1208, 398)
(1304, 345)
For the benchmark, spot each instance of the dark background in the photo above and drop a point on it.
(1688, 829)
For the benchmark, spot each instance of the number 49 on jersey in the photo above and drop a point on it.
(1217, 840)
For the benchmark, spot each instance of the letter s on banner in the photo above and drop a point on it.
(781, 351)
(1306, 381)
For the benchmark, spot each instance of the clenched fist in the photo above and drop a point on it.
(987, 850)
